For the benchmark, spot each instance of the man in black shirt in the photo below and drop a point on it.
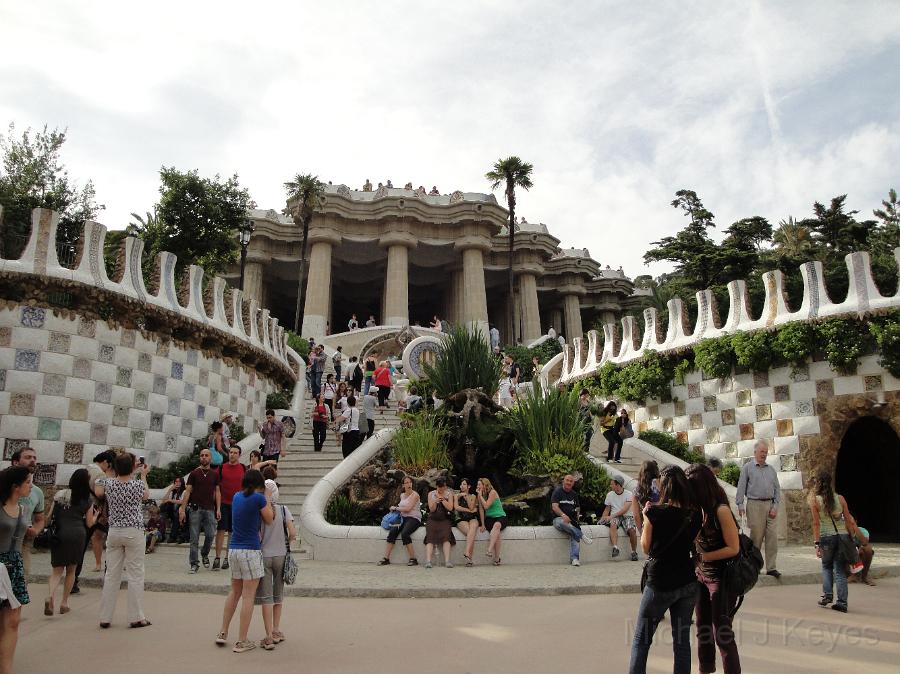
(566, 507)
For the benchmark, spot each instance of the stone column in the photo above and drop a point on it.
(607, 317)
(556, 321)
(474, 299)
(396, 282)
(253, 282)
(572, 309)
(318, 283)
(531, 316)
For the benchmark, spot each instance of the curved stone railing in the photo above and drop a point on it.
(344, 543)
(214, 316)
(583, 358)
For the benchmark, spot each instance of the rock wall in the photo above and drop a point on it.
(89, 363)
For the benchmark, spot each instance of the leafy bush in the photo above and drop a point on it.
(159, 477)
(298, 343)
(753, 350)
(843, 342)
(563, 456)
(669, 443)
(794, 343)
(730, 473)
(280, 400)
(543, 418)
(715, 356)
(887, 336)
(464, 361)
(420, 444)
(682, 367)
(524, 355)
(341, 510)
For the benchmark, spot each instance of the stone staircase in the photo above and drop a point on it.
(631, 457)
(299, 471)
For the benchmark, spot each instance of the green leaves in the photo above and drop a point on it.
(464, 361)
(794, 342)
(669, 443)
(844, 341)
(887, 335)
(420, 443)
(543, 419)
(715, 356)
(512, 171)
(753, 350)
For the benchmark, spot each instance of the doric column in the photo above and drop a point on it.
(572, 310)
(318, 283)
(531, 316)
(253, 282)
(396, 282)
(474, 299)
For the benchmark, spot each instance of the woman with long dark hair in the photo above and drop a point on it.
(647, 491)
(718, 542)
(831, 519)
(74, 514)
(15, 483)
(170, 504)
(320, 422)
(216, 443)
(250, 507)
(671, 584)
(468, 511)
(608, 419)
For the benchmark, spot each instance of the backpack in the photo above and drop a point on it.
(415, 406)
(740, 573)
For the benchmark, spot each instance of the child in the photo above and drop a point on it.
(154, 529)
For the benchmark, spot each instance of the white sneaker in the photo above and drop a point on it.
(586, 538)
(575, 562)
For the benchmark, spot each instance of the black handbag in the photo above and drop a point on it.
(740, 573)
(49, 536)
(848, 548)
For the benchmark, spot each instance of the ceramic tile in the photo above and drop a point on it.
(825, 389)
(128, 338)
(204, 378)
(137, 439)
(74, 452)
(805, 408)
(140, 399)
(145, 362)
(189, 392)
(54, 385)
(873, 383)
(156, 422)
(696, 421)
(59, 342)
(21, 404)
(727, 417)
(800, 373)
(87, 327)
(744, 398)
(106, 353)
(760, 379)
(159, 385)
(98, 434)
(5, 336)
(48, 429)
(177, 370)
(782, 393)
(78, 409)
(120, 415)
(162, 349)
(123, 376)
(28, 360)
(32, 317)
(81, 368)
(102, 392)
(709, 404)
(693, 390)
(12, 445)
(712, 434)
(667, 424)
(784, 427)
(682, 436)
(763, 412)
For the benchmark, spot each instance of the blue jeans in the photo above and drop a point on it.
(833, 569)
(316, 382)
(367, 385)
(574, 534)
(654, 604)
(205, 520)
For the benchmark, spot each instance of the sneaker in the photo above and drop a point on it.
(775, 573)
(75, 589)
(856, 568)
(839, 607)
(634, 557)
(825, 600)
(221, 639)
(618, 460)
(586, 538)
(194, 568)
(216, 564)
(615, 551)
(244, 646)
(413, 562)
(427, 565)
(225, 563)
(575, 562)
(448, 565)
(206, 562)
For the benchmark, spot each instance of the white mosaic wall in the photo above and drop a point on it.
(73, 388)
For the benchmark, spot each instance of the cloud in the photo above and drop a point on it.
(760, 108)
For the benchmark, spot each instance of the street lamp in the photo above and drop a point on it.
(246, 231)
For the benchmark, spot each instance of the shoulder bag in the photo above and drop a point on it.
(848, 548)
(289, 572)
(739, 573)
(49, 536)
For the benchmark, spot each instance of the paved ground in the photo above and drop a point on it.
(167, 571)
(779, 630)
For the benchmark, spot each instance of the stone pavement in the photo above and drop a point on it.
(779, 631)
(167, 571)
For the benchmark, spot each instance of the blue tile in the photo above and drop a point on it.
(28, 360)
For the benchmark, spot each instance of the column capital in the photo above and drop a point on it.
(324, 235)
(571, 289)
(471, 241)
(398, 239)
(530, 268)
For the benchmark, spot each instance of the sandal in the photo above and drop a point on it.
(64, 609)
(469, 561)
(267, 644)
(384, 561)
(48, 607)
(497, 562)
(413, 562)
(140, 623)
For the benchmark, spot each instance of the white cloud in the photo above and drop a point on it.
(617, 106)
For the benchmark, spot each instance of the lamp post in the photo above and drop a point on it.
(246, 231)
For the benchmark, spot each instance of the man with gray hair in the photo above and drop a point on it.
(758, 495)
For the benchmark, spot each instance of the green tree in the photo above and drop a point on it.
(196, 218)
(836, 229)
(33, 176)
(882, 242)
(511, 172)
(306, 191)
(792, 240)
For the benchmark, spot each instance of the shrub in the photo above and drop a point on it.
(794, 343)
(563, 456)
(753, 350)
(464, 361)
(420, 444)
(682, 367)
(298, 343)
(341, 510)
(730, 473)
(715, 356)
(280, 400)
(843, 342)
(887, 336)
(669, 443)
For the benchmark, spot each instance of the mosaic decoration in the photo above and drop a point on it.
(59, 342)
(33, 317)
(106, 353)
(73, 452)
(11, 446)
(763, 412)
(27, 359)
(709, 403)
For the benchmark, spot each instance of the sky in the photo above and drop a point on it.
(760, 107)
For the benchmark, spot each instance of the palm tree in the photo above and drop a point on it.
(791, 239)
(307, 191)
(515, 173)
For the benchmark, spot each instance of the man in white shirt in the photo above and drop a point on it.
(495, 337)
(371, 322)
(352, 324)
(618, 514)
(551, 333)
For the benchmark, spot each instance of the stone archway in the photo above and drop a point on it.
(837, 415)
(868, 462)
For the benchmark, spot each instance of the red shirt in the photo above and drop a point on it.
(203, 483)
(232, 476)
(383, 377)
(320, 413)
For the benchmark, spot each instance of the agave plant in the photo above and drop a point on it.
(546, 419)
(465, 361)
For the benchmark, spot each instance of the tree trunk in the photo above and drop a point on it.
(511, 201)
(301, 286)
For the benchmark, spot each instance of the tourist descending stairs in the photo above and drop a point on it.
(301, 468)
